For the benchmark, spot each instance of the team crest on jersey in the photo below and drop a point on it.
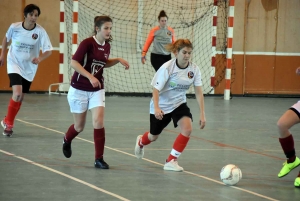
(190, 74)
(106, 56)
(34, 36)
(169, 33)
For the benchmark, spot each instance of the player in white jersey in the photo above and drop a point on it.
(286, 121)
(170, 84)
(22, 59)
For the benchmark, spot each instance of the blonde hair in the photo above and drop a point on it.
(178, 45)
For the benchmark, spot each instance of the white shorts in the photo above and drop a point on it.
(81, 101)
(296, 108)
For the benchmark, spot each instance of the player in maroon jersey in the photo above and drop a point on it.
(87, 87)
(286, 121)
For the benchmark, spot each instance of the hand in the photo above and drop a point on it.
(95, 82)
(124, 63)
(202, 122)
(143, 60)
(159, 114)
(298, 71)
(36, 60)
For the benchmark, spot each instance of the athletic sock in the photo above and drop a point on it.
(70, 134)
(178, 147)
(145, 140)
(99, 140)
(287, 145)
(12, 111)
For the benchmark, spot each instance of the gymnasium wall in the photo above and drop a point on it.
(266, 49)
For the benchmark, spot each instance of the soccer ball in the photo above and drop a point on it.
(230, 174)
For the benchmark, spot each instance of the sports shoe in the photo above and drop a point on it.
(100, 163)
(287, 167)
(173, 166)
(138, 151)
(297, 182)
(67, 149)
(7, 128)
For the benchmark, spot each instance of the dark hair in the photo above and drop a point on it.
(99, 21)
(178, 45)
(162, 13)
(30, 8)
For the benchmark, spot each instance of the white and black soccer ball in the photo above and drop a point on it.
(230, 174)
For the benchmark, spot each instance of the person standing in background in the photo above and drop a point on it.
(160, 36)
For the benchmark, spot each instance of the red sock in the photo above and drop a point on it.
(145, 140)
(71, 134)
(287, 145)
(178, 147)
(12, 111)
(99, 140)
(20, 103)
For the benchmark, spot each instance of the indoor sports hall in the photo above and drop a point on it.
(248, 54)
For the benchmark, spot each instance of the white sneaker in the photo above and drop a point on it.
(138, 151)
(173, 166)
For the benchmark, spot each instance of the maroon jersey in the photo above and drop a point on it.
(93, 57)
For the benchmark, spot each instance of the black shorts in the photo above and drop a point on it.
(156, 125)
(157, 60)
(16, 79)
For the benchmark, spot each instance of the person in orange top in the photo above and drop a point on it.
(160, 36)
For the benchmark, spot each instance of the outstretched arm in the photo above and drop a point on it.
(200, 100)
(4, 47)
(114, 61)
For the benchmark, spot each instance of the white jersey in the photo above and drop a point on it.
(25, 46)
(172, 83)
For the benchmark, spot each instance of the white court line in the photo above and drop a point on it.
(160, 164)
(66, 175)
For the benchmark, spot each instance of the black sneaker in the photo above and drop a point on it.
(67, 149)
(100, 163)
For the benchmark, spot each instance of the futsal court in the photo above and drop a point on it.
(241, 131)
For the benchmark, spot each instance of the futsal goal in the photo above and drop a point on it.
(203, 22)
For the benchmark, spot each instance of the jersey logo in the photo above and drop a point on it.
(190, 74)
(172, 84)
(34, 36)
(169, 33)
(99, 48)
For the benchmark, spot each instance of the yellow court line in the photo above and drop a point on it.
(66, 175)
(160, 164)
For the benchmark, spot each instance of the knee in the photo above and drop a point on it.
(187, 131)
(281, 125)
(17, 97)
(79, 128)
(152, 138)
(98, 123)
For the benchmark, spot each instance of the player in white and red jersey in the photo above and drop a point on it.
(170, 84)
(87, 87)
(160, 36)
(287, 121)
(23, 58)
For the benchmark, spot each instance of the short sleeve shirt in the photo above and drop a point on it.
(25, 46)
(92, 56)
(172, 83)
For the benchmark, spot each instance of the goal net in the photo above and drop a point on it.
(132, 21)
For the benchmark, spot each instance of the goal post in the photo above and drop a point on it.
(203, 22)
